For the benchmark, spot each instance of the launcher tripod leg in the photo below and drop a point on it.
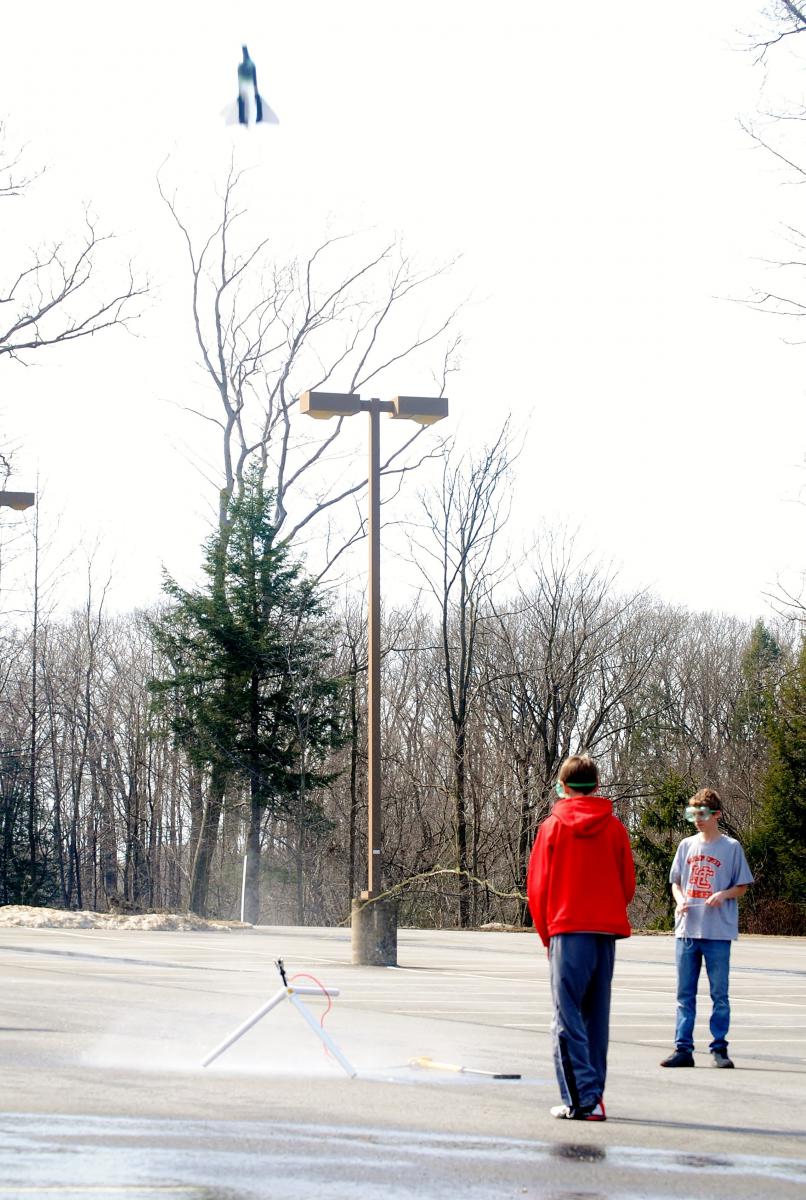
(276, 999)
(320, 1033)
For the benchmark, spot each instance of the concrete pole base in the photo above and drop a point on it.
(374, 933)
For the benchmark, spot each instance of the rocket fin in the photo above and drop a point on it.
(266, 115)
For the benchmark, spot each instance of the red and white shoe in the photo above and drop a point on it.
(588, 1112)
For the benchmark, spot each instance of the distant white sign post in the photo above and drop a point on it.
(243, 887)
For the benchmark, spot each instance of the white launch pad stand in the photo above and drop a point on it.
(292, 994)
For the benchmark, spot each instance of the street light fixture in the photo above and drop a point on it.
(17, 500)
(374, 929)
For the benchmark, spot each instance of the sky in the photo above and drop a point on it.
(586, 168)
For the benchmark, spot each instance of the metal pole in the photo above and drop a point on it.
(243, 887)
(374, 647)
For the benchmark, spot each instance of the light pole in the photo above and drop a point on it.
(17, 500)
(374, 924)
(20, 501)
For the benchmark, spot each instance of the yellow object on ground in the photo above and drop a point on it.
(425, 1061)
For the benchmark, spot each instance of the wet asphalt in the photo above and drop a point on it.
(102, 1092)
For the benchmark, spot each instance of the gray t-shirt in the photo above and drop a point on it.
(700, 869)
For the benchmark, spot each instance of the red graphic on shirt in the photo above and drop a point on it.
(699, 880)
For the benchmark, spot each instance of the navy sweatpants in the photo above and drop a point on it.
(581, 977)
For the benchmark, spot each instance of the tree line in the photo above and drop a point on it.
(144, 755)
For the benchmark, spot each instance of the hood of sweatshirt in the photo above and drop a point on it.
(585, 815)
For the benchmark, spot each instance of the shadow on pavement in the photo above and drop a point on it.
(699, 1126)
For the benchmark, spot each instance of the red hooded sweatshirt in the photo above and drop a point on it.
(581, 874)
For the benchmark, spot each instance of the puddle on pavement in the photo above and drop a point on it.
(577, 1196)
(786, 1169)
(572, 1153)
(699, 1162)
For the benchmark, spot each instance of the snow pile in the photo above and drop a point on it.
(58, 918)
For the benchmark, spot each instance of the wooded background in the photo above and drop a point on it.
(100, 797)
(143, 754)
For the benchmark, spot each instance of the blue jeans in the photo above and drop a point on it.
(689, 955)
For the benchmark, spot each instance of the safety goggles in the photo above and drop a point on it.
(584, 788)
(692, 812)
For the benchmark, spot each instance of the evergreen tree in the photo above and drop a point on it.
(249, 694)
(661, 827)
(760, 669)
(24, 878)
(778, 846)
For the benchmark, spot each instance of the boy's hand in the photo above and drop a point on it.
(681, 906)
(716, 900)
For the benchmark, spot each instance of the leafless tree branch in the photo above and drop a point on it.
(267, 331)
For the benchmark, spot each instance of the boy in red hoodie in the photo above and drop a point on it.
(581, 879)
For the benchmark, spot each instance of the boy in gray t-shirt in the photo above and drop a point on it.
(708, 875)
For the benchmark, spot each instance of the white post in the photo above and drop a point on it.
(243, 886)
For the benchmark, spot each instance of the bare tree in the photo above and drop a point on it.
(353, 658)
(266, 332)
(788, 599)
(790, 603)
(782, 140)
(566, 658)
(53, 297)
(786, 19)
(463, 519)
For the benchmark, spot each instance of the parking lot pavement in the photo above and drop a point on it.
(102, 1034)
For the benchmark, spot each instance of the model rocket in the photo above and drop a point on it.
(250, 108)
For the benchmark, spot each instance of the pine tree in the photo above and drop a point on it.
(760, 669)
(24, 878)
(661, 827)
(778, 846)
(249, 694)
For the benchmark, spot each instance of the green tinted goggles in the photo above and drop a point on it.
(584, 788)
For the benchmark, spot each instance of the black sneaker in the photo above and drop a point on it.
(591, 1112)
(719, 1058)
(680, 1058)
